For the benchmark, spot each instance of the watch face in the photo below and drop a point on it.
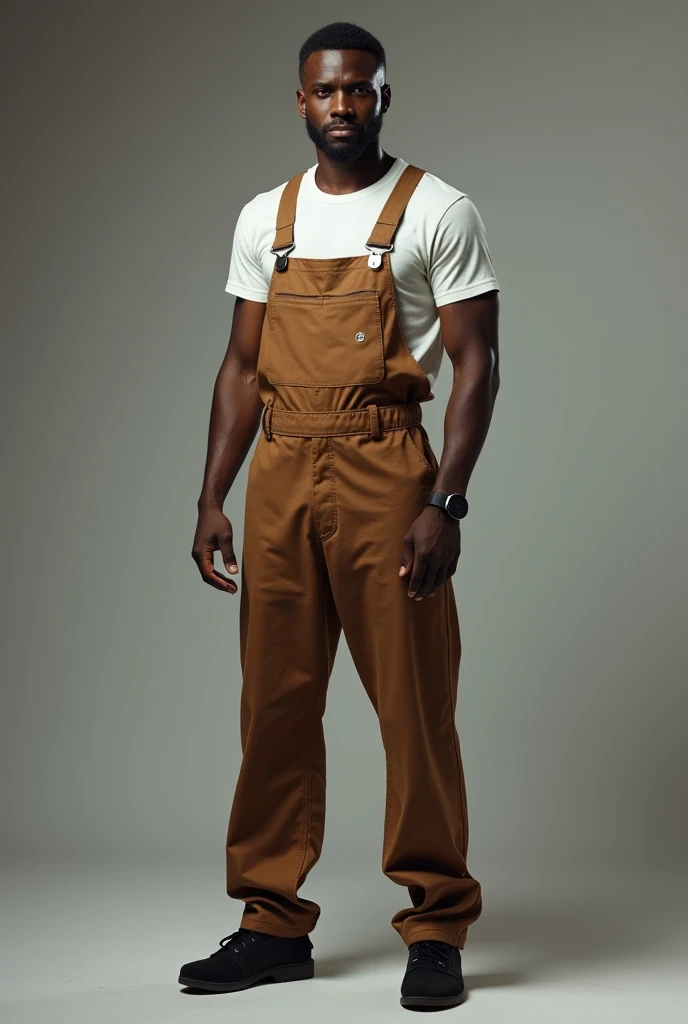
(457, 506)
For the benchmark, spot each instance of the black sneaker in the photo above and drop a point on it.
(246, 957)
(433, 975)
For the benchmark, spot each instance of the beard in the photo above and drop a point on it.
(346, 151)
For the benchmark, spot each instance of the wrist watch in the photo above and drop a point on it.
(455, 505)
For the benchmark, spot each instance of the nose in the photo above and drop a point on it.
(341, 104)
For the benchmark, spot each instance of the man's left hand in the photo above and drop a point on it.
(431, 551)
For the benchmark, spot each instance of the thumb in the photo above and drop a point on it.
(406, 556)
(225, 543)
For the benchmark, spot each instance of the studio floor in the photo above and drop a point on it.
(103, 945)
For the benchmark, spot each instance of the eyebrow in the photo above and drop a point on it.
(351, 85)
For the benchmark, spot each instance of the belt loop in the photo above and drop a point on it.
(374, 421)
(267, 420)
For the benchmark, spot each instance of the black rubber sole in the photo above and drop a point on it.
(286, 972)
(433, 1000)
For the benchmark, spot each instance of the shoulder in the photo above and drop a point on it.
(440, 210)
(433, 196)
(263, 206)
(444, 206)
(443, 217)
(453, 215)
(439, 190)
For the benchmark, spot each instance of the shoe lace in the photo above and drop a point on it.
(430, 952)
(238, 939)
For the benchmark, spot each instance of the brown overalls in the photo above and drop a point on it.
(341, 470)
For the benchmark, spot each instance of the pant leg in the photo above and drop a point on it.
(407, 654)
(289, 633)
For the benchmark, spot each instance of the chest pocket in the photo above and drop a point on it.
(325, 340)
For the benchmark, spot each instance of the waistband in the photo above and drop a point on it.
(371, 419)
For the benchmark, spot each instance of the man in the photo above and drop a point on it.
(350, 280)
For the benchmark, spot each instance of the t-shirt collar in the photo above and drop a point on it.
(325, 197)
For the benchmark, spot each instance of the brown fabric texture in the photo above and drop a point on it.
(342, 467)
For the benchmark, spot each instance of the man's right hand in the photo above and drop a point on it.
(213, 533)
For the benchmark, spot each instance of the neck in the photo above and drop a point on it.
(339, 179)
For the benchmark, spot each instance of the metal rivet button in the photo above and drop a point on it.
(360, 336)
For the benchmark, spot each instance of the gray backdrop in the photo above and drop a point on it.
(135, 132)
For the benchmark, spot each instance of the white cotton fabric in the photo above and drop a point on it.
(440, 251)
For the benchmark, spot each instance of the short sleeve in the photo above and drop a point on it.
(460, 264)
(246, 278)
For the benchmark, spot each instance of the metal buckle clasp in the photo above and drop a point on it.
(376, 253)
(282, 253)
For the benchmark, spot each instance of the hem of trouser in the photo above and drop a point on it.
(436, 933)
(269, 929)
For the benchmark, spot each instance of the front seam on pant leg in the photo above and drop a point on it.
(314, 510)
(457, 756)
(306, 828)
(333, 490)
(315, 455)
(388, 807)
(308, 778)
(447, 584)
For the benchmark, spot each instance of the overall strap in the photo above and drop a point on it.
(286, 213)
(381, 238)
(382, 234)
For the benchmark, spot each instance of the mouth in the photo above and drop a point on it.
(342, 131)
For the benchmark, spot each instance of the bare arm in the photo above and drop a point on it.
(234, 419)
(470, 336)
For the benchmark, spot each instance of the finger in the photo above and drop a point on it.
(440, 579)
(451, 569)
(221, 582)
(406, 557)
(429, 577)
(210, 575)
(420, 563)
(226, 545)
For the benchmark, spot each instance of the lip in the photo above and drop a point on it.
(342, 131)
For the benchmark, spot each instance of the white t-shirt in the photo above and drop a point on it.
(440, 250)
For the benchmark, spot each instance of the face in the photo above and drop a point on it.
(343, 101)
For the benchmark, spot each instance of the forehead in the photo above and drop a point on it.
(340, 65)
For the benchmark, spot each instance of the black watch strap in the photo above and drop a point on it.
(455, 505)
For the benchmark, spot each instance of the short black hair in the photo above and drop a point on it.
(342, 35)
